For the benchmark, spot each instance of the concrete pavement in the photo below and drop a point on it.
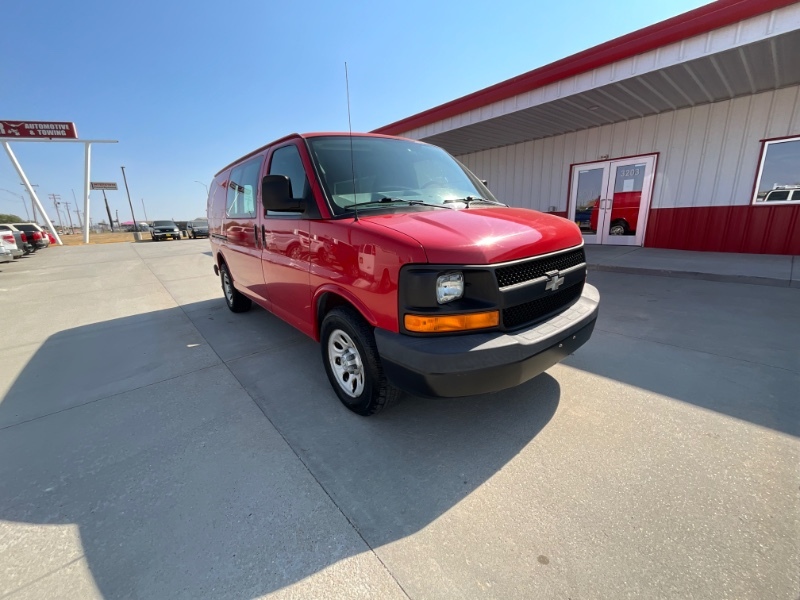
(157, 445)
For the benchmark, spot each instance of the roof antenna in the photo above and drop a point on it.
(350, 125)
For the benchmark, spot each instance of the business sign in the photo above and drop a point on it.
(38, 129)
(103, 185)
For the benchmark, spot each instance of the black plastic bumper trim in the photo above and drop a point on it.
(481, 363)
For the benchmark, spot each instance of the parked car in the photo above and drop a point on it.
(19, 238)
(197, 228)
(401, 263)
(5, 254)
(782, 193)
(38, 235)
(163, 230)
(9, 243)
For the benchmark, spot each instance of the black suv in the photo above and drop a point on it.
(197, 228)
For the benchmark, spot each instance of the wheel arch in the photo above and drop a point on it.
(329, 297)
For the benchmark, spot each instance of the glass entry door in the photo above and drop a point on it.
(609, 200)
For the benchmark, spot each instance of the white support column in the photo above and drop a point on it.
(32, 193)
(86, 173)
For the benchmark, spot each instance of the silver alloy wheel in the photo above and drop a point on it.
(345, 362)
(617, 230)
(227, 286)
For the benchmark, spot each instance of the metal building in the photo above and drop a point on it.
(684, 134)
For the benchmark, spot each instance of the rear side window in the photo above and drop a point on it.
(287, 161)
(242, 190)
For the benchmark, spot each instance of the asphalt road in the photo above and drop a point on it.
(155, 445)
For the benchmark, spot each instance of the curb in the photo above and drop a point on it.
(748, 279)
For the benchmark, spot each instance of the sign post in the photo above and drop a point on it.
(49, 131)
(103, 186)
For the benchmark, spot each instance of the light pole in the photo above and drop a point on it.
(22, 198)
(204, 185)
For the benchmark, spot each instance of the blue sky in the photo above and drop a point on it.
(188, 87)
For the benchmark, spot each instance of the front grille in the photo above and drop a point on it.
(538, 267)
(535, 310)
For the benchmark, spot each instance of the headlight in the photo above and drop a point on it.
(176, 229)
(449, 287)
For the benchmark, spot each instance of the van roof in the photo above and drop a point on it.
(301, 136)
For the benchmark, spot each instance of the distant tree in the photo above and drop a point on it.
(10, 218)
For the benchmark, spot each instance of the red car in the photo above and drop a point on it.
(401, 263)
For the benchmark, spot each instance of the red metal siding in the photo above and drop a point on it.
(751, 229)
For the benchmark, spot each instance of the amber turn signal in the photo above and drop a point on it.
(442, 323)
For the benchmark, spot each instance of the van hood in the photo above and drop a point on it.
(482, 236)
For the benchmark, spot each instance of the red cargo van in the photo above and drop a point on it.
(401, 263)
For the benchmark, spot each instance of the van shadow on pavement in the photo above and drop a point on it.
(134, 431)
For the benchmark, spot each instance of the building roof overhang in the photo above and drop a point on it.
(754, 50)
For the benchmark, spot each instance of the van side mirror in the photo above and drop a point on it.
(276, 195)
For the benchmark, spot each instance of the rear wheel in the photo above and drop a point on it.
(618, 228)
(352, 363)
(235, 300)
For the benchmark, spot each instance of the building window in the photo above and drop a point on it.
(778, 179)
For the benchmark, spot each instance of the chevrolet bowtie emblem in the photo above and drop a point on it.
(554, 281)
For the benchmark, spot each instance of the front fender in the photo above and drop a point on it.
(347, 296)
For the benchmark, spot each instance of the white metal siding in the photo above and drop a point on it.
(760, 27)
(708, 154)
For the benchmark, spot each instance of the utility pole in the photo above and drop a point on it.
(80, 223)
(145, 212)
(116, 211)
(55, 198)
(22, 198)
(127, 191)
(69, 216)
(33, 204)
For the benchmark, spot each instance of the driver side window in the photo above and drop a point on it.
(287, 161)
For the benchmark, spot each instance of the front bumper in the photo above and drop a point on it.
(479, 363)
(172, 234)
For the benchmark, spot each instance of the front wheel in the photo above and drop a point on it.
(235, 300)
(352, 363)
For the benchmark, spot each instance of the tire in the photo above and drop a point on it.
(360, 384)
(618, 228)
(235, 300)
(194, 237)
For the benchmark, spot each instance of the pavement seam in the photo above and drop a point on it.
(752, 362)
(264, 351)
(57, 412)
(288, 445)
(45, 576)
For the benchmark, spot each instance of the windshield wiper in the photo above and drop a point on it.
(388, 200)
(470, 199)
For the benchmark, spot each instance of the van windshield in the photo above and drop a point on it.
(385, 168)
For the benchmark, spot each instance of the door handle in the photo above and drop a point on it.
(255, 234)
(263, 237)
